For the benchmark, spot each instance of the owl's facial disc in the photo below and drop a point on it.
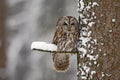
(69, 28)
(68, 24)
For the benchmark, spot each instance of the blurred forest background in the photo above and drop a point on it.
(25, 21)
(21, 23)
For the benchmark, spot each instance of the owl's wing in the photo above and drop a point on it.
(57, 35)
(55, 39)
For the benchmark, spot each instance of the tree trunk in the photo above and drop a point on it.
(2, 39)
(105, 42)
(107, 33)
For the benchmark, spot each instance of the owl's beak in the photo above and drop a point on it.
(69, 28)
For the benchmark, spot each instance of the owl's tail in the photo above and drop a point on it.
(61, 61)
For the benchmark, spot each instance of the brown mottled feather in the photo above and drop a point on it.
(65, 41)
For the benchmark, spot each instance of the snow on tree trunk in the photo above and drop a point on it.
(100, 40)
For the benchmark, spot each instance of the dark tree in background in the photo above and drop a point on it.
(105, 42)
(2, 39)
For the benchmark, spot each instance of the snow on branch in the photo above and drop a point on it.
(43, 46)
(47, 47)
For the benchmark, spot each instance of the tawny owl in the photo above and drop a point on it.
(66, 39)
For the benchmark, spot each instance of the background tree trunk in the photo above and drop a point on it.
(106, 31)
(2, 39)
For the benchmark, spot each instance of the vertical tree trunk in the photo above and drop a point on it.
(107, 33)
(105, 41)
(2, 38)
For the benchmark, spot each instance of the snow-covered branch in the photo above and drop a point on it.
(47, 47)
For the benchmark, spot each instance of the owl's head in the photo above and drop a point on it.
(69, 24)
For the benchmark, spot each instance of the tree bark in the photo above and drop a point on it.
(2, 39)
(106, 31)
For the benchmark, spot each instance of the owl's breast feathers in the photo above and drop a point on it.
(67, 41)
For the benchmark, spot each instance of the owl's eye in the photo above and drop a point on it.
(72, 24)
(65, 24)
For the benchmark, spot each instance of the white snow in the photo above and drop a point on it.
(85, 21)
(88, 7)
(86, 38)
(86, 68)
(95, 4)
(102, 44)
(98, 65)
(95, 41)
(96, 57)
(95, 62)
(92, 57)
(83, 50)
(91, 23)
(108, 74)
(94, 17)
(104, 54)
(93, 13)
(81, 16)
(113, 20)
(89, 33)
(83, 77)
(103, 74)
(81, 5)
(43, 46)
(100, 50)
(110, 30)
(93, 72)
